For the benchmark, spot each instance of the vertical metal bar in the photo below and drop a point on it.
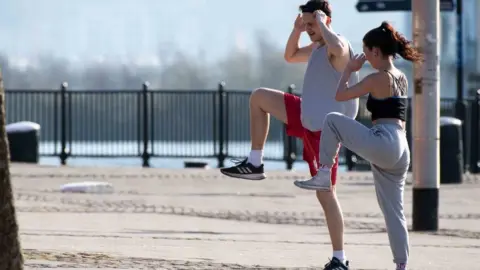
(139, 123)
(215, 124)
(69, 122)
(474, 135)
(152, 123)
(221, 124)
(145, 154)
(460, 104)
(409, 126)
(56, 106)
(63, 123)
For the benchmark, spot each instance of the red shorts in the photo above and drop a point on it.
(311, 140)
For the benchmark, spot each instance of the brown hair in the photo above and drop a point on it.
(391, 43)
(313, 5)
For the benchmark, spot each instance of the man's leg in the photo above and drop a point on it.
(328, 200)
(263, 103)
(334, 217)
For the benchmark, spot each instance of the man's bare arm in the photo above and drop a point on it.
(336, 44)
(294, 53)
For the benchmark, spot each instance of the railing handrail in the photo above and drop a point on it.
(63, 104)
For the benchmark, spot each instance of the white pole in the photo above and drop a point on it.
(426, 116)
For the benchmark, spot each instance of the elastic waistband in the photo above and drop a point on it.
(396, 122)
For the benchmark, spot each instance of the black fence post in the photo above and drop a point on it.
(289, 146)
(409, 132)
(461, 113)
(460, 104)
(349, 160)
(221, 124)
(145, 154)
(63, 123)
(474, 134)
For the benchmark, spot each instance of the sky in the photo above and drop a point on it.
(134, 30)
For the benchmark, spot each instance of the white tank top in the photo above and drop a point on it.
(319, 90)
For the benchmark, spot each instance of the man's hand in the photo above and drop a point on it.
(321, 17)
(299, 25)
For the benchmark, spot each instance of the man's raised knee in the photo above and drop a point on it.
(257, 94)
(271, 101)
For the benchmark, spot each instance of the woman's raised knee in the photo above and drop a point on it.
(334, 115)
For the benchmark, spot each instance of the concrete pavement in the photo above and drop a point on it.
(199, 219)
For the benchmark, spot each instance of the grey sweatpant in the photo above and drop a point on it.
(385, 146)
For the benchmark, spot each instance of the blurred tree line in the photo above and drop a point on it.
(239, 69)
(172, 116)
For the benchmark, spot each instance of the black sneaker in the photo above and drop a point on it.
(336, 264)
(245, 170)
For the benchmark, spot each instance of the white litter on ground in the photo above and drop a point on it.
(88, 187)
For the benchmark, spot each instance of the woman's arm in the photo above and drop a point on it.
(365, 86)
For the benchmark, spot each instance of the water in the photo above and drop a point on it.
(186, 149)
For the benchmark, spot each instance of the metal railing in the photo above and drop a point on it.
(148, 123)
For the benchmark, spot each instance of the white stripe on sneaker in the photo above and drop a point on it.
(244, 170)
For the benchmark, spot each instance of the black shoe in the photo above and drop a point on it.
(336, 264)
(245, 170)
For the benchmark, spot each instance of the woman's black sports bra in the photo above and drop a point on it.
(394, 106)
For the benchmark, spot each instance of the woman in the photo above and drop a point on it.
(385, 144)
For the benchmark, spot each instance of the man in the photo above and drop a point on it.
(327, 57)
